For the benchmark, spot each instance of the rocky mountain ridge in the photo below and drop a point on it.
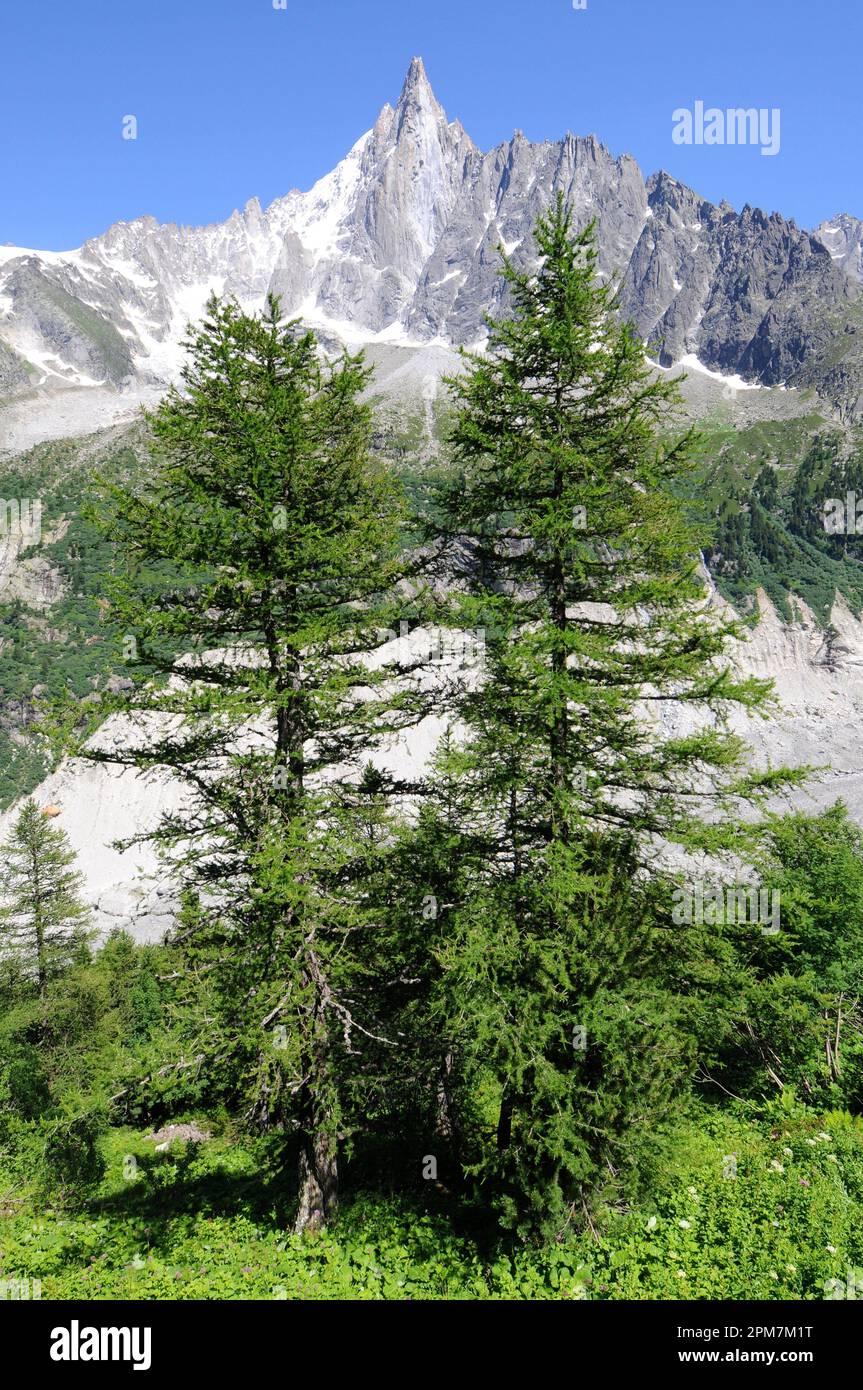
(843, 237)
(399, 245)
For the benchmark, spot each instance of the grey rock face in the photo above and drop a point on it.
(748, 294)
(15, 373)
(400, 242)
(411, 174)
(843, 237)
(502, 194)
(69, 330)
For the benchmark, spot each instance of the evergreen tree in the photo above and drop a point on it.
(557, 990)
(259, 569)
(801, 1024)
(42, 918)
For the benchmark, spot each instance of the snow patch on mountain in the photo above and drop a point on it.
(400, 244)
(691, 362)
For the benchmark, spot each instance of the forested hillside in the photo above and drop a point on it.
(462, 1030)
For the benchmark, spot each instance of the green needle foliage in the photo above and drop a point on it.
(260, 564)
(558, 992)
(468, 998)
(476, 978)
(42, 917)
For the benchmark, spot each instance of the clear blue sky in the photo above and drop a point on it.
(236, 99)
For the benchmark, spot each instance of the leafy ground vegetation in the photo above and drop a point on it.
(211, 1220)
(753, 1190)
(434, 1031)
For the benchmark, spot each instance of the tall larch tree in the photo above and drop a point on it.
(42, 916)
(257, 579)
(561, 983)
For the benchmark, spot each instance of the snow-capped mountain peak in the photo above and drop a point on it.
(400, 243)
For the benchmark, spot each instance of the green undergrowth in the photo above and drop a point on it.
(757, 1206)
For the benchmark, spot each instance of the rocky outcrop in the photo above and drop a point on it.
(15, 373)
(746, 293)
(97, 806)
(843, 238)
(57, 327)
(399, 244)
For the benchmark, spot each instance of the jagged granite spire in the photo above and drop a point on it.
(403, 237)
(417, 96)
(413, 169)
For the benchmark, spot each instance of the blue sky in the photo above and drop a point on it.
(234, 98)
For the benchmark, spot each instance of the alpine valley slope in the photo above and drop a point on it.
(397, 249)
(399, 246)
(818, 680)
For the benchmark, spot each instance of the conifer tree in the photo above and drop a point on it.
(559, 982)
(42, 917)
(257, 575)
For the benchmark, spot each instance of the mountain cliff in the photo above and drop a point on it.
(399, 244)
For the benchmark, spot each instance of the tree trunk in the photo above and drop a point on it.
(559, 737)
(318, 1182)
(41, 958)
(39, 927)
(447, 1125)
(318, 1195)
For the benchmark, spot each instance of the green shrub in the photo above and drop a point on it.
(71, 1158)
